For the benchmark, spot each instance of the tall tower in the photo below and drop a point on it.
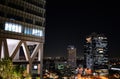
(22, 26)
(71, 56)
(96, 51)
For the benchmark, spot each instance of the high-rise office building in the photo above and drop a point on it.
(71, 56)
(96, 51)
(22, 30)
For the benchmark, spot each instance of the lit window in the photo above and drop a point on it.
(13, 27)
(101, 51)
(37, 32)
(35, 67)
(28, 31)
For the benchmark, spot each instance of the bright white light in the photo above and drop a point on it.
(116, 69)
(13, 27)
(72, 47)
(37, 32)
(101, 51)
(35, 66)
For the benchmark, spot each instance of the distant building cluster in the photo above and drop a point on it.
(95, 58)
(95, 53)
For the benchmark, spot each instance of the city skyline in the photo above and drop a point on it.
(69, 22)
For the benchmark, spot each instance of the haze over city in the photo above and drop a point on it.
(69, 22)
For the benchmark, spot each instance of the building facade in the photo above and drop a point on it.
(96, 51)
(71, 56)
(22, 30)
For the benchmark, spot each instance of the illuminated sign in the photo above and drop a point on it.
(26, 30)
(13, 27)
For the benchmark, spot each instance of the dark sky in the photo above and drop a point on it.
(68, 22)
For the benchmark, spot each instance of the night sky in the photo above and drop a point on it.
(68, 22)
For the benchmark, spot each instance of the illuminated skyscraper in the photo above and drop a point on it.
(22, 26)
(71, 56)
(96, 51)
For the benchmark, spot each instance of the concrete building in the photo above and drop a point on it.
(22, 29)
(96, 52)
(71, 56)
